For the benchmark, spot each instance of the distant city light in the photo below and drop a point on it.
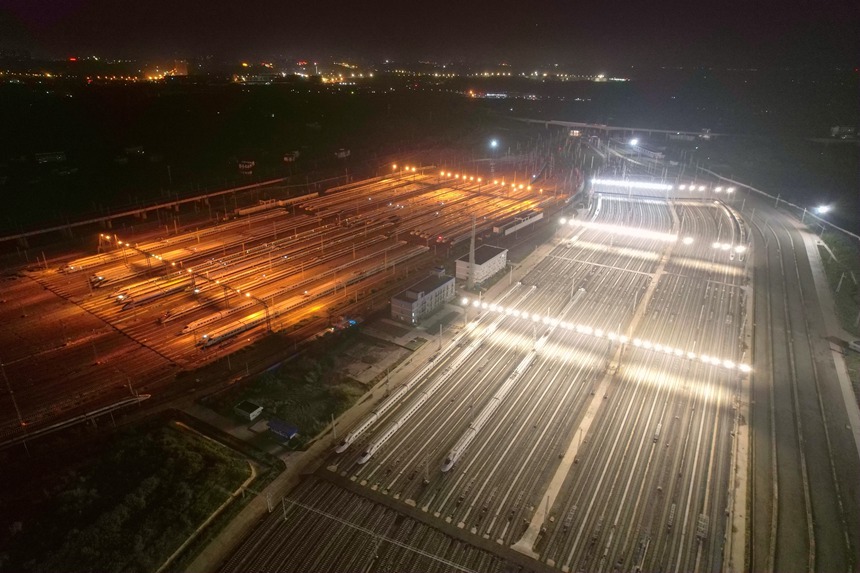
(494, 143)
(634, 141)
(822, 209)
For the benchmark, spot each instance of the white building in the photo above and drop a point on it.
(422, 299)
(248, 410)
(488, 261)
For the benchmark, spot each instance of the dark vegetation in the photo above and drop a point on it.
(131, 144)
(845, 268)
(132, 507)
(192, 138)
(304, 392)
(843, 273)
(805, 172)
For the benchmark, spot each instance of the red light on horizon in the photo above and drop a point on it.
(73, 59)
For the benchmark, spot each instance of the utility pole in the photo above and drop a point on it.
(15, 403)
(470, 284)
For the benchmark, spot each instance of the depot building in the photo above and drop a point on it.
(489, 260)
(422, 299)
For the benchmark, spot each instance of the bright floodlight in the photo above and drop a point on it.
(632, 184)
(687, 240)
(634, 141)
(563, 221)
(822, 209)
(465, 301)
(740, 249)
(494, 143)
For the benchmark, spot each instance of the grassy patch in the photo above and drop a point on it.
(847, 300)
(847, 261)
(132, 508)
(852, 363)
(305, 392)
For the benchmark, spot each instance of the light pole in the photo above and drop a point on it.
(14, 403)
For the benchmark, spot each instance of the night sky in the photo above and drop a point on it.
(587, 33)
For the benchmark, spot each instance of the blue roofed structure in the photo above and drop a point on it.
(282, 429)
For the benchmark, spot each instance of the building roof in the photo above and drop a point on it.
(247, 407)
(483, 254)
(425, 285)
(282, 429)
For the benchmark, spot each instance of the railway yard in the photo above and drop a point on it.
(649, 393)
(123, 321)
(593, 416)
(584, 416)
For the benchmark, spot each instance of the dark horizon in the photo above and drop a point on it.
(588, 35)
